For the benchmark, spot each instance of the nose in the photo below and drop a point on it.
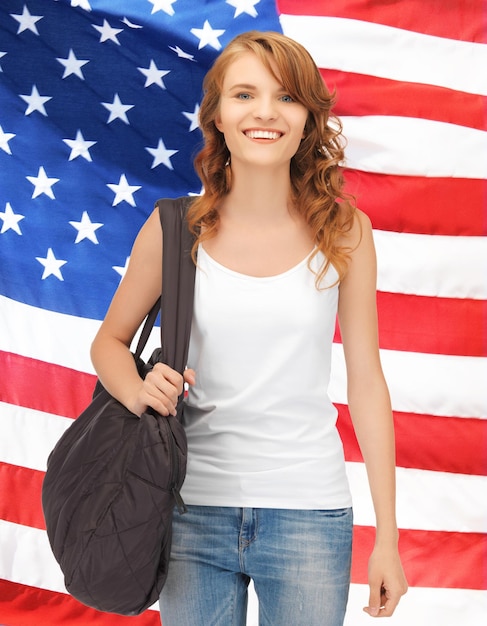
(265, 108)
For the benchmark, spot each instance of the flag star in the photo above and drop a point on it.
(208, 36)
(4, 139)
(10, 220)
(162, 5)
(42, 184)
(79, 147)
(130, 24)
(2, 54)
(153, 75)
(193, 117)
(82, 4)
(51, 265)
(27, 21)
(72, 65)
(117, 109)
(182, 54)
(86, 228)
(107, 32)
(244, 6)
(35, 102)
(161, 155)
(123, 191)
(121, 269)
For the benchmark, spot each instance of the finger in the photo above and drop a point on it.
(189, 376)
(389, 606)
(170, 375)
(374, 606)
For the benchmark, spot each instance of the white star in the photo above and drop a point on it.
(117, 109)
(161, 155)
(244, 6)
(193, 117)
(121, 269)
(83, 4)
(123, 191)
(4, 139)
(153, 75)
(72, 65)
(130, 24)
(107, 32)
(27, 21)
(208, 36)
(86, 228)
(35, 102)
(79, 147)
(42, 184)
(162, 5)
(182, 54)
(10, 220)
(2, 54)
(51, 265)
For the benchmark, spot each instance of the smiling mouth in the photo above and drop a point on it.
(263, 134)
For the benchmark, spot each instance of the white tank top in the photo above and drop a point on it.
(261, 428)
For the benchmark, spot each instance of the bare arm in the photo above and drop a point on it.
(371, 413)
(110, 353)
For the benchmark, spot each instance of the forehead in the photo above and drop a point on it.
(248, 68)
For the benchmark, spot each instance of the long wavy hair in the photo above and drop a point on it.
(315, 169)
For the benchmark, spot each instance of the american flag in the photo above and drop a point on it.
(99, 117)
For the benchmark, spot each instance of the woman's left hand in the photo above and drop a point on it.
(387, 582)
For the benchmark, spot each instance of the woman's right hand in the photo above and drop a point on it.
(161, 389)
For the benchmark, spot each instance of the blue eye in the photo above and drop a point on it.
(287, 98)
(243, 96)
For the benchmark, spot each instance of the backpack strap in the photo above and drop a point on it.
(178, 274)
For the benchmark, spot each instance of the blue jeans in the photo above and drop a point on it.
(299, 561)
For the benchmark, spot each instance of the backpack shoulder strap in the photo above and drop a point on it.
(178, 273)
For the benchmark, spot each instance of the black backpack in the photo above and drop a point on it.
(112, 479)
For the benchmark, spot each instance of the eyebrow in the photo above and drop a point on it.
(250, 87)
(242, 86)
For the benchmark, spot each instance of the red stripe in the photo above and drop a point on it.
(358, 94)
(428, 442)
(25, 485)
(446, 444)
(441, 451)
(453, 326)
(430, 558)
(432, 325)
(21, 605)
(416, 204)
(463, 19)
(44, 386)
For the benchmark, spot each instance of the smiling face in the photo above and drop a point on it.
(261, 123)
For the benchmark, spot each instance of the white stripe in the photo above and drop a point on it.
(26, 559)
(419, 383)
(423, 607)
(427, 500)
(430, 384)
(52, 337)
(431, 265)
(378, 50)
(28, 436)
(412, 146)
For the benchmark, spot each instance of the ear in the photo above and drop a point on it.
(218, 123)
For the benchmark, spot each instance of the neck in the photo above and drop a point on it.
(258, 192)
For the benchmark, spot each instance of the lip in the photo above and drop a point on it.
(265, 134)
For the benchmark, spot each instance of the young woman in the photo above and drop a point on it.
(280, 250)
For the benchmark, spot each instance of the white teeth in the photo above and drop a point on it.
(263, 134)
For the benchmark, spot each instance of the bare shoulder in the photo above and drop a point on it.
(360, 230)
